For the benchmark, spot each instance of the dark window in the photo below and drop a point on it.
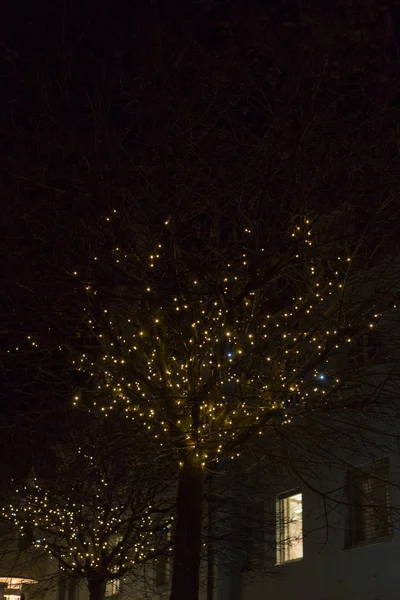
(161, 571)
(365, 349)
(369, 504)
(67, 588)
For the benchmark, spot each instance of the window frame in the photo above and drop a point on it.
(113, 588)
(162, 571)
(163, 566)
(363, 521)
(283, 542)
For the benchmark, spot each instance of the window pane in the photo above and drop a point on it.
(290, 528)
(369, 500)
(161, 571)
(112, 588)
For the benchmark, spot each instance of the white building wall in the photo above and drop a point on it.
(329, 570)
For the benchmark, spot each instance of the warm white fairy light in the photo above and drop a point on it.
(85, 534)
(203, 365)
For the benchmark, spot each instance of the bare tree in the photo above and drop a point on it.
(101, 507)
(208, 340)
(239, 264)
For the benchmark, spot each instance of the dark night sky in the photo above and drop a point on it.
(82, 101)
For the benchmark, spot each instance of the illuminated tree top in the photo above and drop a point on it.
(209, 329)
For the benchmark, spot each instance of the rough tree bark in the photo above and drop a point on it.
(210, 544)
(189, 513)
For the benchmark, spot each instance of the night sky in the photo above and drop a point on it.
(101, 98)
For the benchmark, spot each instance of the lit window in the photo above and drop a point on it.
(112, 587)
(13, 587)
(289, 528)
(14, 583)
(369, 499)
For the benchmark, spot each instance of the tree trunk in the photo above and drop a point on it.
(189, 513)
(210, 542)
(97, 588)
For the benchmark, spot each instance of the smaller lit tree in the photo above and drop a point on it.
(102, 509)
